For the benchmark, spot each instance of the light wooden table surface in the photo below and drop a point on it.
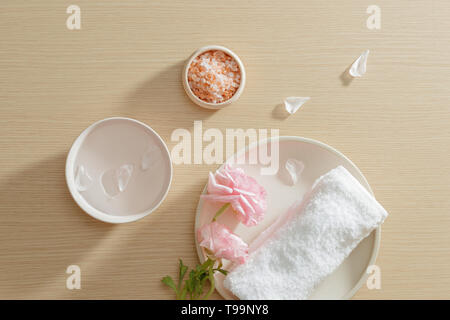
(394, 123)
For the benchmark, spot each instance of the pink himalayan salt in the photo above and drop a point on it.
(214, 76)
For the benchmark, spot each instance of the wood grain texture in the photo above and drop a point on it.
(394, 123)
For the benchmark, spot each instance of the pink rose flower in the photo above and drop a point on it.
(222, 242)
(246, 196)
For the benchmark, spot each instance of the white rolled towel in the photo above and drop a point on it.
(314, 240)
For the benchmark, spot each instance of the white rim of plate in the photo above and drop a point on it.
(82, 203)
(377, 240)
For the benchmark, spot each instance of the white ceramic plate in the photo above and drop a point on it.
(318, 158)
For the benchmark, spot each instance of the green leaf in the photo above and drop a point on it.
(183, 294)
(194, 285)
(181, 274)
(211, 283)
(167, 280)
(190, 282)
(207, 264)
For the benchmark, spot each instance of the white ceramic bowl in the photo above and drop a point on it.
(199, 101)
(104, 145)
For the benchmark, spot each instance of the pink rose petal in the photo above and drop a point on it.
(251, 201)
(222, 242)
(215, 188)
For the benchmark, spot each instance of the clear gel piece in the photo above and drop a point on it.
(358, 67)
(292, 104)
(293, 169)
(114, 181)
(82, 179)
(150, 157)
(124, 174)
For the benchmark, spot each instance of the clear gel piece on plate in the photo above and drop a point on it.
(358, 67)
(116, 180)
(82, 179)
(292, 104)
(293, 169)
(150, 157)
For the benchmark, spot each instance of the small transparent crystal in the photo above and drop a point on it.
(150, 157)
(82, 179)
(114, 181)
(358, 67)
(294, 169)
(292, 104)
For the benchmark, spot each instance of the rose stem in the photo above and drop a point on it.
(220, 211)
